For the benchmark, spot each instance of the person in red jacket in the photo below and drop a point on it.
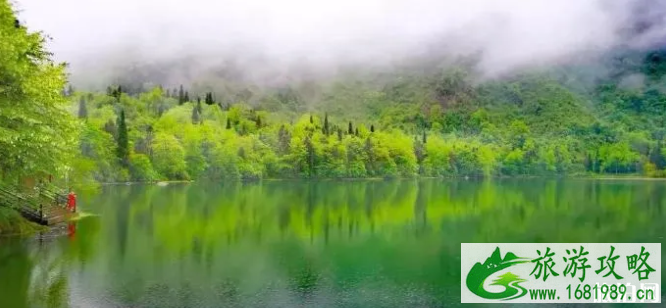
(71, 201)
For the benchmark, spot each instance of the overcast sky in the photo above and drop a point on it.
(511, 33)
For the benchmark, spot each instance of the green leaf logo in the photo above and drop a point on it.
(511, 282)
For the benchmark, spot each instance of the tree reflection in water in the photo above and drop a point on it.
(316, 243)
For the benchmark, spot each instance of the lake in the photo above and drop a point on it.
(308, 244)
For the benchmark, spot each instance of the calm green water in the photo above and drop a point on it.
(307, 244)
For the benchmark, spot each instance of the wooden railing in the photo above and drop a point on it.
(37, 205)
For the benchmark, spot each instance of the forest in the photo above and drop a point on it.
(441, 124)
(432, 118)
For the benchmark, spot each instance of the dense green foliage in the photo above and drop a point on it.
(410, 121)
(438, 123)
(36, 131)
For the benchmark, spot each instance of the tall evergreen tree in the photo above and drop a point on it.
(419, 153)
(311, 120)
(309, 147)
(187, 97)
(350, 130)
(372, 128)
(196, 113)
(181, 95)
(356, 132)
(370, 154)
(123, 141)
(339, 134)
(326, 128)
(83, 110)
(209, 98)
(116, 93)
(228, 123)
(424, 140)
(284, 139)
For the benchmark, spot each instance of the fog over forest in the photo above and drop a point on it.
(274, 41)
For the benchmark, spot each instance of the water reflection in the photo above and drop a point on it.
(304, 244)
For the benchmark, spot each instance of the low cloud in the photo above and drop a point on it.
(269, 39)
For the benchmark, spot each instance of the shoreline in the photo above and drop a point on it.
(633, 178)
(13, 224)
(376, 179)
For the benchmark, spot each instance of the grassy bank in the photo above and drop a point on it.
(12, 223)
